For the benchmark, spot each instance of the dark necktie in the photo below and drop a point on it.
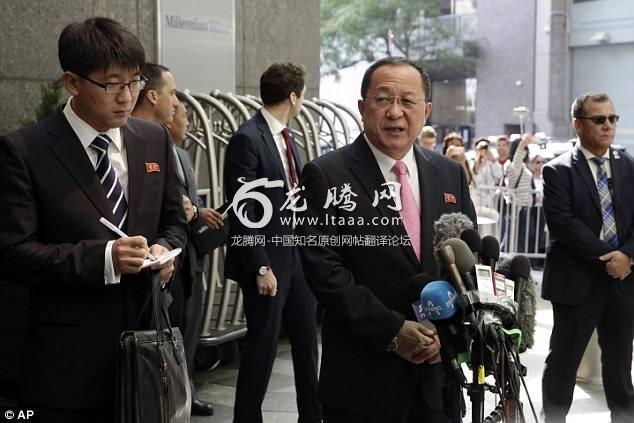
(607, 208)
(107, 175)
(289, 156)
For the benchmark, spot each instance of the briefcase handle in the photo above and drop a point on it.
(158, 310)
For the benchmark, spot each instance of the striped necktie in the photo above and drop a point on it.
(107, 175)
(607, 208)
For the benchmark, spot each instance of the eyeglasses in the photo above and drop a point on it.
(117, 87)
(600, 120)
(384, 101)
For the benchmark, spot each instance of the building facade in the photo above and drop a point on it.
(265, 31)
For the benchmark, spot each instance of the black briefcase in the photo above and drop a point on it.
(152, 380)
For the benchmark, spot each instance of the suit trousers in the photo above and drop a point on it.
(418, 414)
(611, 312)
(294, 307)
(186, 313)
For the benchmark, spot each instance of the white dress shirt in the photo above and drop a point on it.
(386, 163)
(276, 127)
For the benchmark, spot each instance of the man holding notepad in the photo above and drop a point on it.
(58, 178)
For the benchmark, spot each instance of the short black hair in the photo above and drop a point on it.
(98, 43)
(394, 61)
(153, 75)
(577, 110)
(280, 80)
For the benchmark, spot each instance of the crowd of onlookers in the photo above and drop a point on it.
(501, 161)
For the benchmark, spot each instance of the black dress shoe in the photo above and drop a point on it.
(202, 408)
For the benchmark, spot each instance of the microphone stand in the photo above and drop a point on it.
(477, 387)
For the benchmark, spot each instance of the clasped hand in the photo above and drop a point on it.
(418, 344)
(617, 264)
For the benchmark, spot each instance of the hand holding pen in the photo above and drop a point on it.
(128, 252)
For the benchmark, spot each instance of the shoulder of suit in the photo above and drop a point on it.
(248, 127)
(141, 125)
(564, 159)
(33, 135)
(334, 157)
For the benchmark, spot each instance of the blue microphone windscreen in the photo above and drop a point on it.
(437, 300)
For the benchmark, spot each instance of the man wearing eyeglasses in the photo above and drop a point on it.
(588, 206)
(378, 363)
(59, 177)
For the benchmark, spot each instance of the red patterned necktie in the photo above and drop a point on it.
(289, 156)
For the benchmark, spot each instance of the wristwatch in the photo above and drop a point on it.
(263, 270)
(393, 345)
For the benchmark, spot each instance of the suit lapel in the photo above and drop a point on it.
(295, 153)
(267, 137)
(135, 151)
(70, 152)
(364, 166)
(188, 170)
(429, 195)
(580, 164)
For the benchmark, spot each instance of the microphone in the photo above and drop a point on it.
(416, 284)
(520, 272)
(490, 251)
(437, 301)
(448, 258)
(472, 238)
(464, 260)
(450, 225)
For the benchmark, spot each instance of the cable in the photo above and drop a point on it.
(516, 357)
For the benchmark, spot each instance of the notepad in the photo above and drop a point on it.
(162, 259)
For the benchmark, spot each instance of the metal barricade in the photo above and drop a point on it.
(320, 127)
(520, 229)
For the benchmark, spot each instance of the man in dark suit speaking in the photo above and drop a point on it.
(57, 179)
(588, 194)
(365, 200)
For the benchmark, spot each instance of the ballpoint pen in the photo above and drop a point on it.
(114, 228)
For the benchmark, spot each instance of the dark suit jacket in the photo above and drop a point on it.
(52, 241)
(193, 262)
(365, 290)
(573, 213)
(252, 154)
